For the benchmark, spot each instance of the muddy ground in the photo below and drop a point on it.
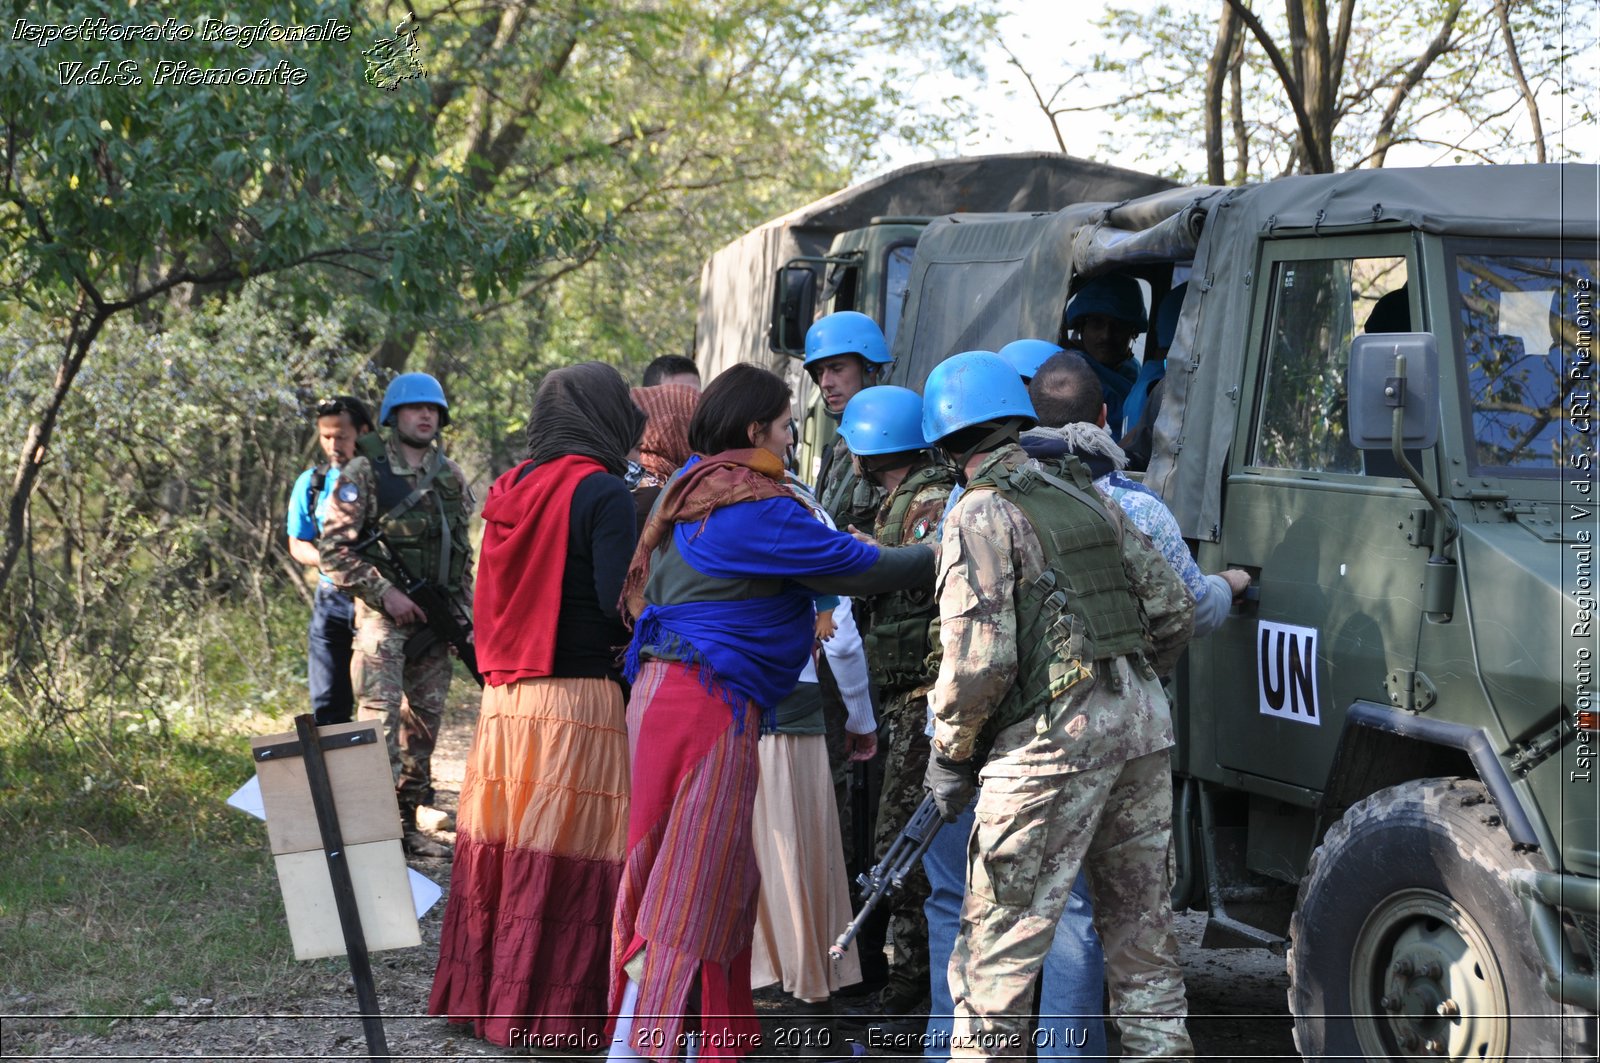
(1237, 998)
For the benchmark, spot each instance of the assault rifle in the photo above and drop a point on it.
(889, 874)
(444, 623)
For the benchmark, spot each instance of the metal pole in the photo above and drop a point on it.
(344, 893)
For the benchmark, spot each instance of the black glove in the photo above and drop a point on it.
(952, 785)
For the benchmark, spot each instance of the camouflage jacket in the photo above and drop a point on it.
(353, 514)
(900, 625)
(988, 550)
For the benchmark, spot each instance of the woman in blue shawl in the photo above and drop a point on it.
(721, 591)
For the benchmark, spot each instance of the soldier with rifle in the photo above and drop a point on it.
(883, 428)
(395, 537)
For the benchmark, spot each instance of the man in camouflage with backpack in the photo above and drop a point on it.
(1055, 620)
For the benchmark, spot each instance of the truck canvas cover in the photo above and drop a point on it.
(736, 281)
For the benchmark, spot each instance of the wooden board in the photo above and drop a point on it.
(383, 897)
(363, 792)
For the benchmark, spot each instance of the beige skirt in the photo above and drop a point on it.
(805, 896)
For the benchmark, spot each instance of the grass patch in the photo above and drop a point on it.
(126, 884)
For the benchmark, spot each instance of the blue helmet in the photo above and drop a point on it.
(1026, 356)
(972, 388)
(1116, 295)
(883, 420)
(846, 332)
(407, 388)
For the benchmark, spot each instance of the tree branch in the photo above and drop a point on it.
(1502, 11)
(1308, 133)
(1413, 77)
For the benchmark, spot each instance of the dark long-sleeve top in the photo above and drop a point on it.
(601, 536)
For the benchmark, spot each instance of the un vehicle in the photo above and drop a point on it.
(1385, 759)
(1380, 403)
(854, 250)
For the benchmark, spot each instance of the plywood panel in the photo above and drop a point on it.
(363, 791)
(383, 897)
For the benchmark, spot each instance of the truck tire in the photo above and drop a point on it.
(1407, 941)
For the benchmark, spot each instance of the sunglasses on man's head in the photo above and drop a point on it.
(332, 407)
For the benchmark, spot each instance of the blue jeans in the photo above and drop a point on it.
(333, 626)
(1073, 979)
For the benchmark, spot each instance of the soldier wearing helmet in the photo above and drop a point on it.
(845, 352)
(883, 428)
(401, 486)
(1056, 619)
(1103, 318)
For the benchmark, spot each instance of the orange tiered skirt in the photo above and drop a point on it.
(541, 835)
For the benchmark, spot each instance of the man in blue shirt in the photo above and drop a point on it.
(340, 421)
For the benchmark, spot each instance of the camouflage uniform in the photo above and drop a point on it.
(898, 646)
(407, 694)
(1085, 781)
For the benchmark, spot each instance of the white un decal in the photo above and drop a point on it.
(1286, 672)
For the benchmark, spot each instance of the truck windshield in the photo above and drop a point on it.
(1524, 327)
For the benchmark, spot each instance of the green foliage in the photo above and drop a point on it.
(154, 588)
(127, 189)
(127, 884)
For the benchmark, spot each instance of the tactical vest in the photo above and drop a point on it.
(898, 642)
(431, 533)
(1081, 609)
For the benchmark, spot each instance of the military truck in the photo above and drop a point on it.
(1385, 759)
(853, 250)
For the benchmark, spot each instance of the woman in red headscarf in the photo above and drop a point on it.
(665, 446)
(542, 827)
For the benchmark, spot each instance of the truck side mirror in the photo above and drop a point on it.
(1374, 390)
(794, 307)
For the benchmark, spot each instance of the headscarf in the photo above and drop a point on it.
(665, 446)
(584, 409)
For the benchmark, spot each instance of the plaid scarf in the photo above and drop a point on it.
(723, 479)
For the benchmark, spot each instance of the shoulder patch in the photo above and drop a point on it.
(348, 491)
(920, 530)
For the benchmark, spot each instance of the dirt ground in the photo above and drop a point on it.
(1237, 997)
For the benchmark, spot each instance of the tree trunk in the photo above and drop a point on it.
(1216, 86)
(35, 447)
(1241, 133)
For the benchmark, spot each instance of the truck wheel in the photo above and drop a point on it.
(1407, 942)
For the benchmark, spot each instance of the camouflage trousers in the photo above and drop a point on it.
(408, 696)
(904, 737)
(1031, 835)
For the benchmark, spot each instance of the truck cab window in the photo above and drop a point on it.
(1317, 307)
(1517, 321)
(896, 281)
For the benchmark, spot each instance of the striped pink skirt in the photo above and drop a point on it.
(687, 904)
